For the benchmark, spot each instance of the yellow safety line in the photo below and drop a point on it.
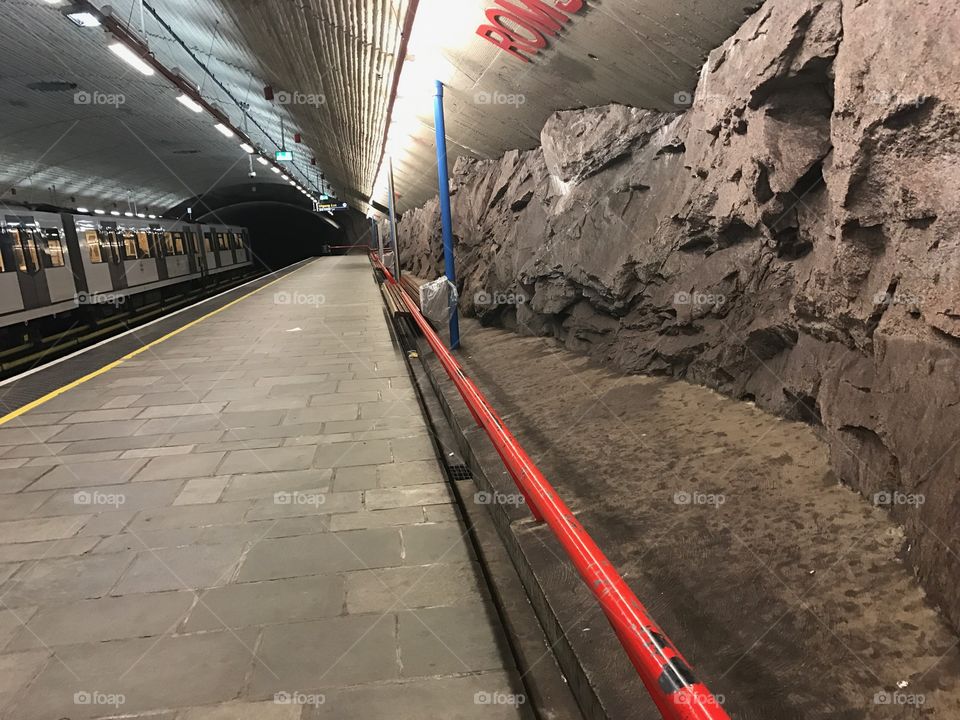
(106, 368)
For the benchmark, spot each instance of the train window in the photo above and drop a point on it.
(231, 240)
(221, 241)
(168, 244)
(25, 253)
(53, 247)
(178, 244)
(143, 244)
(194, 243)
(112, 245)
(208, 241)
(129, 245)
(93, 246)
(19, 258)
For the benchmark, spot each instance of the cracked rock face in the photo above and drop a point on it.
(793, 239)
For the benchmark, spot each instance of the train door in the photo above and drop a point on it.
(56, 263)
(223, 247)
(243, 249)
(155, 233)
(198, 258)
(209, 248)
(23, 236)
(139, 267)
(94, 256)
(232, 239)
(111, 241)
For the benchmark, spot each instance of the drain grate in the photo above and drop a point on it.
(460, 472)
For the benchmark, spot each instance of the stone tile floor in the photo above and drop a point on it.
(245, 521)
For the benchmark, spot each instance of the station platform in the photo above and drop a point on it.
(245, 520)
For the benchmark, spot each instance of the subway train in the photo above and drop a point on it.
(55, 263)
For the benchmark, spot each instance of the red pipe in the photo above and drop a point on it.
(662, 669)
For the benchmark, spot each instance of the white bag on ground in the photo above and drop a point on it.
(438, 298)
(387, 260)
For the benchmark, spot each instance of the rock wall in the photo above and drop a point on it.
(791, 239)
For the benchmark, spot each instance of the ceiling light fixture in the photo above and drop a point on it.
(130, 57)
(78, 16)
(128, 214)
(189, 103)
(115, 213)
(99, 212)
(275, 169)
(262, 160)
(152, 217)
(83, 210)
(224, 130)
(247, 148)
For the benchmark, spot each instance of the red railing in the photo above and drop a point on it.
(663, 670)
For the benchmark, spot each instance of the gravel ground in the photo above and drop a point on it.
(785, 589)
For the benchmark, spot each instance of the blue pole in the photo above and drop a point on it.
(445, 215)
(393, 225)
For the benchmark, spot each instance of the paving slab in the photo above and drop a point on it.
(483, 696)
(337, 651)
(77, 475)
(16, 479)
(322, 554)
(140, 674)
(62, 580)
(175, 466)
(181, 568)
(267, 460)
(110, 618)
(268, 603)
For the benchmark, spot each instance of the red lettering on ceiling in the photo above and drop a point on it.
(522, 27)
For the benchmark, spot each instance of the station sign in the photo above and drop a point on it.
(522, 27)
(331, 207)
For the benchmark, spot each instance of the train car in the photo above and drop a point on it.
(36, 275)
(53, 263)
(226, 246)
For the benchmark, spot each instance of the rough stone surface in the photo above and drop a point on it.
(790, 240)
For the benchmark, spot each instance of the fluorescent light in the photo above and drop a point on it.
(224, 130)
(246, 148)
(99, 212)
(262, 160)
(189, 103)
(83, 210)
(275, 169)
(115, 213)
(84, 19)
(152, 217)
(141, 215)
(284, 177)
(293, 183)
(130, 57)
(128, 214)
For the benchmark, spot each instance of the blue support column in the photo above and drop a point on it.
(443, 175)
(393, 224)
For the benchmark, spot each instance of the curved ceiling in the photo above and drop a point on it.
(81, 127)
